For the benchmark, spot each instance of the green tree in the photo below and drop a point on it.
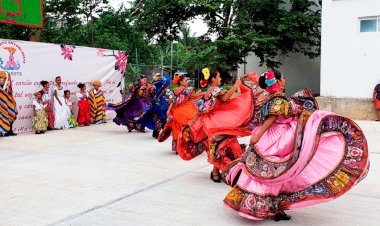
(268, 28)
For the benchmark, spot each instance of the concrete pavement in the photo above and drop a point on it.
(103, 175)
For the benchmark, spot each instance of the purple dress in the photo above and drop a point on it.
(139, 98)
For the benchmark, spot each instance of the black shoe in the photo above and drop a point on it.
(11, 133)
(155, 134)
(212, 177)
(282, 217)
(49, 128)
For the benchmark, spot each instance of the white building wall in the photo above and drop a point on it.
(300, 72)
(349, 60)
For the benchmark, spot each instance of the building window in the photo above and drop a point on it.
(370, 25)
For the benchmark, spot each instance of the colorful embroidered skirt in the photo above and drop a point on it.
(127, 111)
(291, 168)
(216, 131)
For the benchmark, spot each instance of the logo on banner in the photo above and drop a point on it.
(12, 57)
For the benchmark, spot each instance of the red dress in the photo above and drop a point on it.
(182, 112)
(216, 130)
(84, 117)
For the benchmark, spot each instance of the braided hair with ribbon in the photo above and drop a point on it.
(269, 81)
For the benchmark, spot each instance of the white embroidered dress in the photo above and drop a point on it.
(61, 113)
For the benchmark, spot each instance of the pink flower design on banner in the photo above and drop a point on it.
(67, 52)
(121, 61)
(101, 52)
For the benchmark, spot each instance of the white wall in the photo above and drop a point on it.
(299, 71)
(349, 60)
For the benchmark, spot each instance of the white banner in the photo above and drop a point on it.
(30, 62)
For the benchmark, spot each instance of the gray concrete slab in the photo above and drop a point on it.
(103, 175)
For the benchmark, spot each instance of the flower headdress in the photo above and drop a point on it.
(271, 83)
(176, 78)
(206, 76)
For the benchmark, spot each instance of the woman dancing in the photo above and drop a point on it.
(181, 109)
(216, 111)
(139, 98)
(298, 156)
(154, 116)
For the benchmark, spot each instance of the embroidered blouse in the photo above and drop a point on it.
(208, 101)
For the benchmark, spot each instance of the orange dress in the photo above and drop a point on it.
(181, 113)
(216, 130)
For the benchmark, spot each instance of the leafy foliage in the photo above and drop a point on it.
(268, 28)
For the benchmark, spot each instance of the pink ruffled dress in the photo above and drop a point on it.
(306, 157)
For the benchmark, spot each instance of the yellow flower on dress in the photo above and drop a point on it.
(234, 196)
(206, 73)
(277, 107)
(341, 179)
(186, 134)
(212, 149)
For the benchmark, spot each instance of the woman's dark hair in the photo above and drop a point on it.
(277, 74)
(66, 91)
(262, 83)
(181, 78)
(43, 82)
(80, 85)
(38, 92)
(213, 74)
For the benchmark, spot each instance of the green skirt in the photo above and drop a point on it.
(72, 121)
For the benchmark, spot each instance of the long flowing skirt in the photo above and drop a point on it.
(40, 120)
(61, 114)
(84, 117)
(180, 115)
(127, 111)
(202, 135)
(297, 163)
(154, 116)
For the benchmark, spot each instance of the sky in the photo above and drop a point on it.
(197, 26)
